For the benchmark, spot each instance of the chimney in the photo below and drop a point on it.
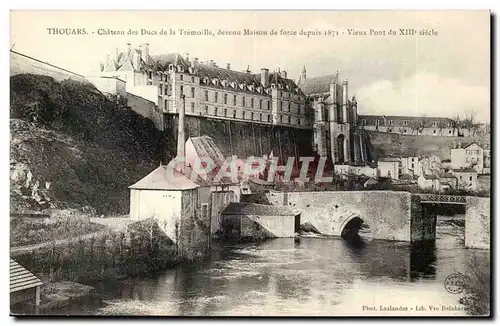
(196, 61)
(304, 76)
(248, 69)
(211, 62)
(284, 74)
(228, 67)
(181, 142)
(187, 57)
(128, 48)
(145, 52)
(264, 77)
(136, 60)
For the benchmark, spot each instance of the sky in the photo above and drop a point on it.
(433, 75)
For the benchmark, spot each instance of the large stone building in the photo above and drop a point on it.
(430, 126)
(336, 132)
(205, 89)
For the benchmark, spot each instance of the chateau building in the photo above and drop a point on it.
(336, 132)
(431, 126)
(204, 89)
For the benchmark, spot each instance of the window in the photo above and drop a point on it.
(269, 118)
(234, 100)
(260, 117)
(269, 105)
(192, 91)
(376, 122)
(470, 178)
(413, 165)
(215, 111)
(206, 95)
(192, 107)
(216, 96)
(434, 123)
(281, 105)
(404, 131)
(289, 119)
(251, 102)
(225, 98)
(449, 132)
(243, 114)
(260, 104)
(206, 109)
(166, 104)
(434, 132)
(391, 122)
(363, 121)
(251, 116)
(182, 89)
(192, 79)
(182, 77)
(243, 101)
(169, 89)
(160, 89)
(225, 112)
(204, 211)
(234, 113)
(405, 122)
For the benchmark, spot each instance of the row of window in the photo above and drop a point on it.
(405, 123)
(262, 117)
(285, 106)
(434, 132)
(472, 152)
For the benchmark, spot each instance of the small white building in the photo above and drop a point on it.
(429, 181)
(466, 178)
(410, 165)
(468, 156)
(389, 167)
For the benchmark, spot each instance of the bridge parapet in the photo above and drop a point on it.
(442, 199)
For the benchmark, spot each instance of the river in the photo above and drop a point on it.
(313, 276)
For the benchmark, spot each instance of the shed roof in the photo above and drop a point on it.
(165, 178)
(257, 209)
(21, 278)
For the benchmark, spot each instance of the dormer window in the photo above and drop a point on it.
(205, 80)
(171, 67)
(233, 84)
(224, 83)
(434, 123)
(251, 88)
(377, 122)
(191, 70)
(215, 81)
(179, 68)
(273, 86)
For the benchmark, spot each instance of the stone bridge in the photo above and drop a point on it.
(390, 215)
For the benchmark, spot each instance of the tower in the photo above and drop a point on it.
(303, 75)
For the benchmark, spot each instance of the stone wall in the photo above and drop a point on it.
(423, 221)
(23, 64)
(477, 223)
(145, 108)
(388, 213)
(245, 139)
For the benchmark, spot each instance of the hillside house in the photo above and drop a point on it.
(466, 178)
(470, 156)
(389, 167)
(429, 181)
(410, 165)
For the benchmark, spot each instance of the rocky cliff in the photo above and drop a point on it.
(72, 146)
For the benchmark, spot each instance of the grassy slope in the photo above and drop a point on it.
(89, 148)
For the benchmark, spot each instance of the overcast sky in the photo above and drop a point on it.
(441, 75)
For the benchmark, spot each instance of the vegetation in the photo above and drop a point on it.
(87, 146)
(27, 231)
(477, 286)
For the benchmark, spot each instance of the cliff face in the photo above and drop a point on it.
(71, 146)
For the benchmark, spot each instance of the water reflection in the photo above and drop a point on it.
(327, 276)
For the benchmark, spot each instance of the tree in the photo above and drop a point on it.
(441, 126)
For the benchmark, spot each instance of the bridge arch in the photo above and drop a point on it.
(351, 226)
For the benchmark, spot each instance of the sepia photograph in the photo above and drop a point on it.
(255, 163)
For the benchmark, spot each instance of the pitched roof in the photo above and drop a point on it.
(319, 84)
(447, 175)
(165, 177)
(21, 278)
(205, 147)
(257, 209)
(470, 144)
